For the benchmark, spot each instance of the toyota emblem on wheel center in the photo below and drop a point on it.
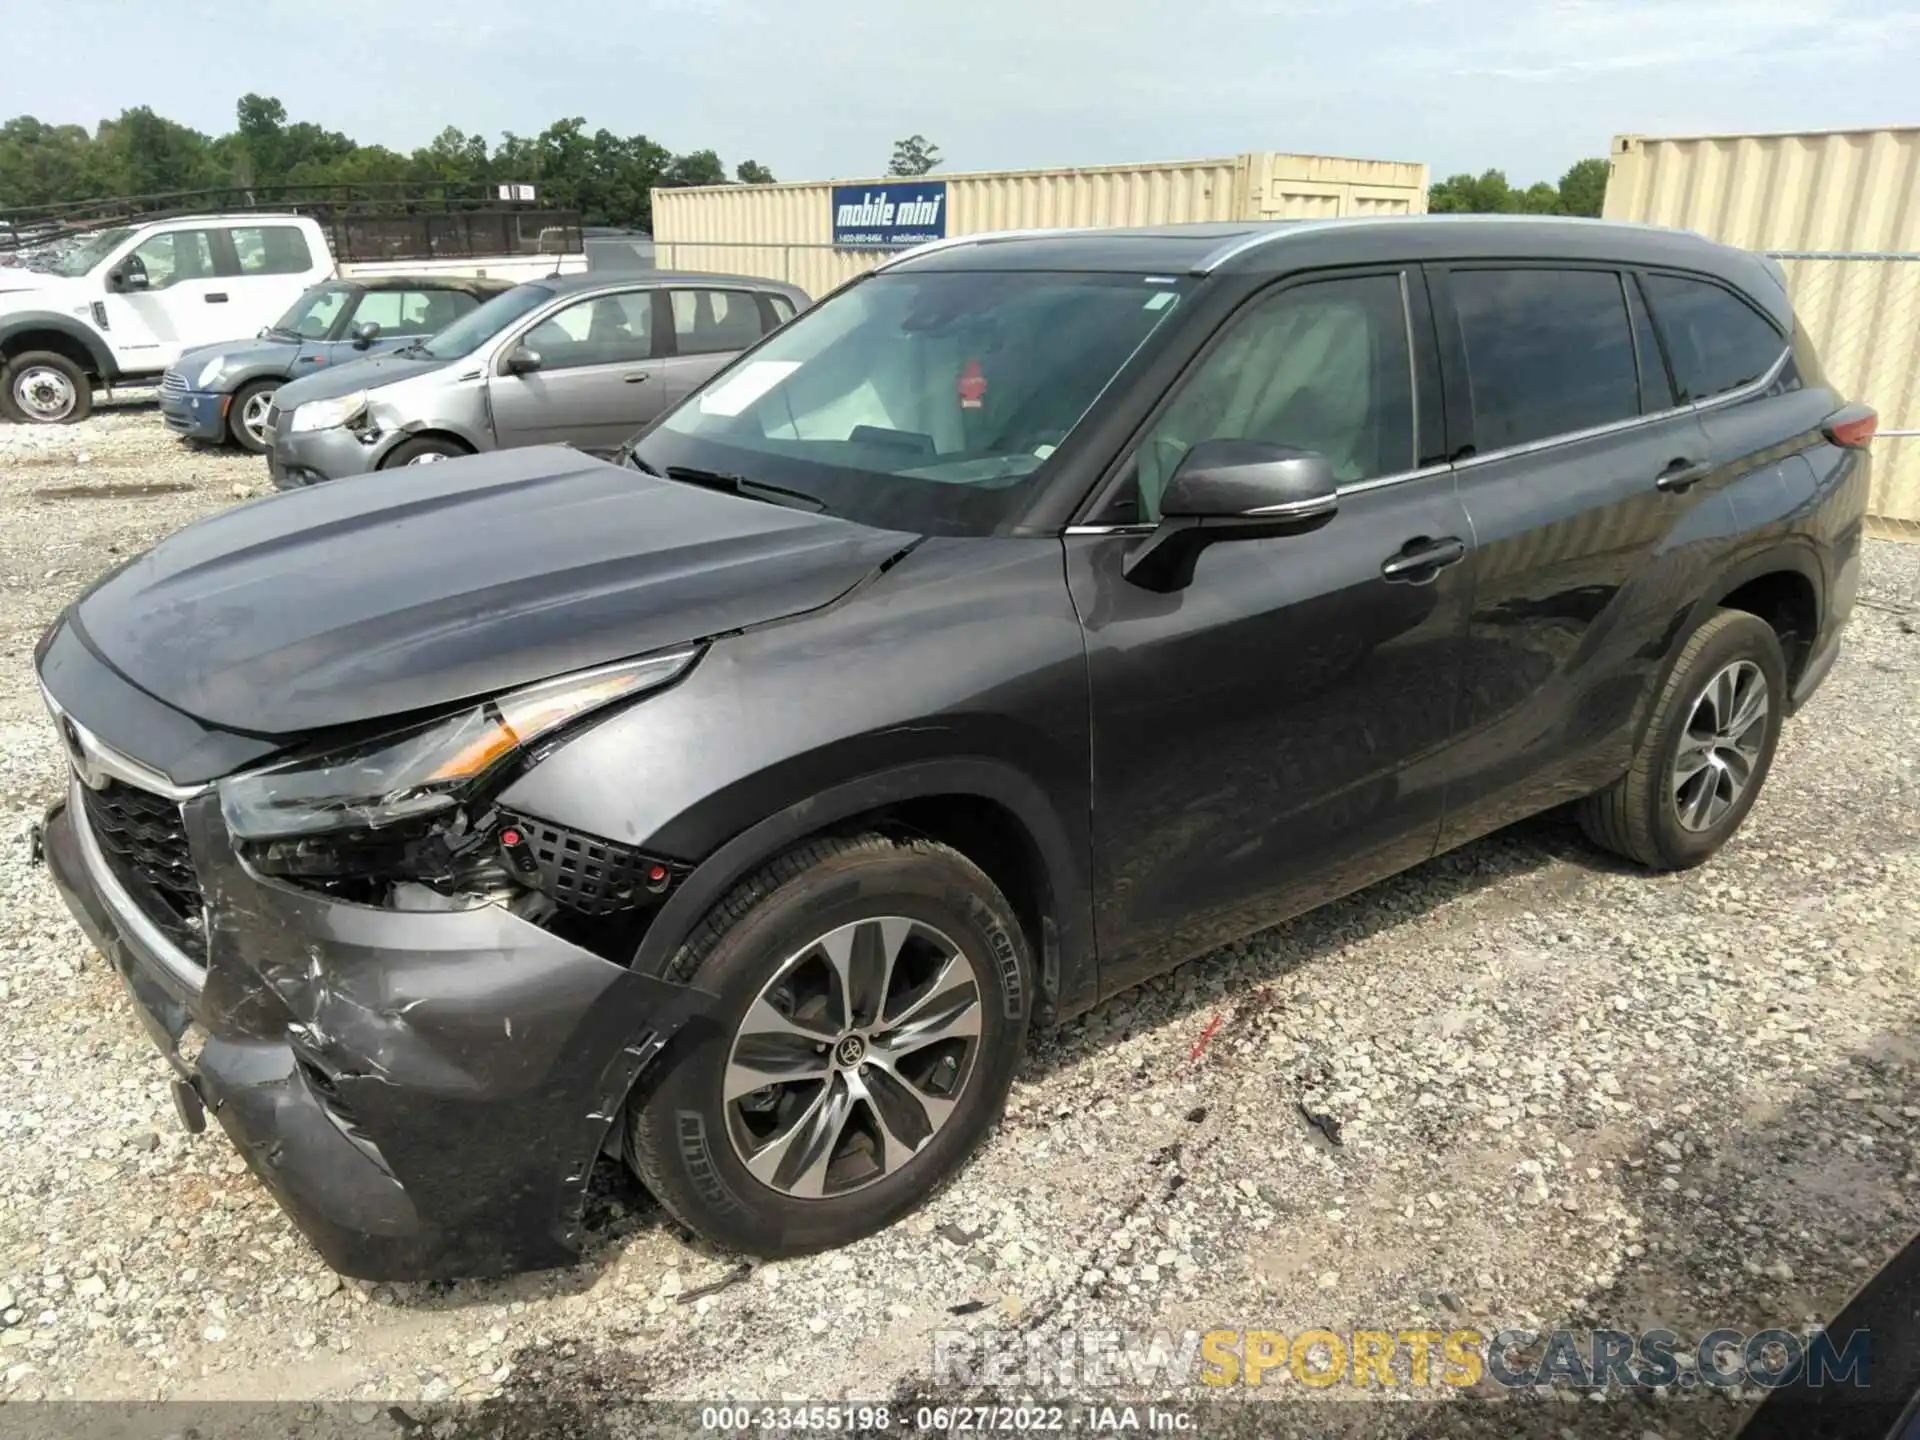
(851, 1050)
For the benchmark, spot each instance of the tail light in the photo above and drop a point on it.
(1852, 427)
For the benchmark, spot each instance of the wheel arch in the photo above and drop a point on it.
(423, 431)
(44, 330)
(987, 809)
(1788, 570)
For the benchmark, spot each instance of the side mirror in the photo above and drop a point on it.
(129, 278)
(365, 334)
(1232, 490)
(522, 360)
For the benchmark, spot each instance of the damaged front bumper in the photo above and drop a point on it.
(424, 1092)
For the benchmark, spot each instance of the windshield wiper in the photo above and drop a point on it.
(741, 485)
(415, 347)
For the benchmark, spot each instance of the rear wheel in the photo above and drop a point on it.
(44, 388)
(427, 450)
(874, 1000)
(1707, 749)
(247, 415)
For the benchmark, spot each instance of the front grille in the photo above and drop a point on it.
(173, 384)
(587, 874)
(144, 839)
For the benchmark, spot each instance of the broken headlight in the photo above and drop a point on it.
(328, 414)
(424, 771)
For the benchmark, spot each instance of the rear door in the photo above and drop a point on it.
(1274, 734)
(600, 378)
(711, 325)
(1583, 483)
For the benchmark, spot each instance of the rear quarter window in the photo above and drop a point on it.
(1716, 341)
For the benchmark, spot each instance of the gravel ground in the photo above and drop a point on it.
(1565, 1093)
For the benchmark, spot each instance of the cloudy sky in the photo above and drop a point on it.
(821, 88)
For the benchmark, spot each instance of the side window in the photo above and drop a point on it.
(1717, 341)
(173, 256)
(712, 322)
(1548, 352)
(1321, 367)
(271, 250)
(782, 308)
(412, 312)
(602, 330)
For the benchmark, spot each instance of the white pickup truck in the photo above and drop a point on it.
(121, 303)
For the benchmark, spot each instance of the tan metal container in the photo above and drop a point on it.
(786, 231)
(1841, 210)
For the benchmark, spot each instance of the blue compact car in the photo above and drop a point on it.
(224, 392)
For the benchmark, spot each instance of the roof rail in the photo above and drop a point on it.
(951, 242)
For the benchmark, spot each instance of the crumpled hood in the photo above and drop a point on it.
(351, 375)
(417, 588)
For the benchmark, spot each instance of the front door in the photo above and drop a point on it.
(1592, 510)
(186, 301)
(1274, 734)
(598, 381)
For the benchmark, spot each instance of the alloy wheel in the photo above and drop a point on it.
(253, 416)
(44, 395)
(1721, 746)
(852, 1057)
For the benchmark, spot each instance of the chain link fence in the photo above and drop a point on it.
(1862, 312)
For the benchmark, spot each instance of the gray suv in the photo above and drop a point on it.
(583, 360)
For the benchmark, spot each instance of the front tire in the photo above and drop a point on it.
(44, 388)
(248, 413)
(1706, 752)
(425, 451)
(874, 998)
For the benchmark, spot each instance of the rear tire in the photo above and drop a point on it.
(1706, 751)
(45, 388)
(933, 980)
(247, 411)
(425, 451)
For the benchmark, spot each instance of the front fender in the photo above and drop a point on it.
(1066, 957)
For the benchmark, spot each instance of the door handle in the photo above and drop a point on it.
(634, 379)
(1682, 475)
(217, 297)
(1419, 561)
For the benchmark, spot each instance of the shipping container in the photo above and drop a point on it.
(790, 231)
(1840, 209)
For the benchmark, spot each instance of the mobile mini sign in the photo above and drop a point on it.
(889, 216)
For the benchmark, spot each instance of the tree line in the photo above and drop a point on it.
(609, 178)
(1581, 191)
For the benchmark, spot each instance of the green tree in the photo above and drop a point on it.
(1485, 194)
(915, 155)
(1583, 189)
(752, 172)
(700, 167)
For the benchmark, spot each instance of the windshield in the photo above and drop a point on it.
(922, 402)
(476, 327)
(71, 260)
(314, 313)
